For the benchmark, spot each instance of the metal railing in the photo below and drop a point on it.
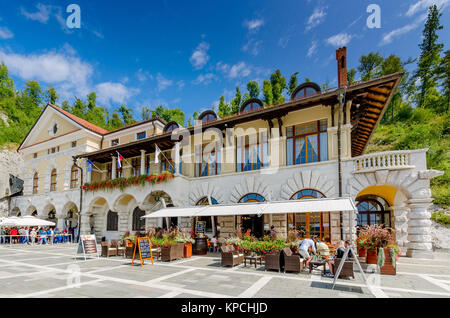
(49, 239)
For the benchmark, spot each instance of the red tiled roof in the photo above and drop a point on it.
(81, 122)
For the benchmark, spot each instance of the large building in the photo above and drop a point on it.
(311, 146)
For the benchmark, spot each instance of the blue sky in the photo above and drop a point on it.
(187, 53)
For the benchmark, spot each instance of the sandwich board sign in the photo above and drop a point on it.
(144, 248)
(201, 226)
(87, 246)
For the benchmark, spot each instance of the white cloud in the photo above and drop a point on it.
(283, 41)
(143, 75)
(312, 49)
(340, 39)
(180, 84)
(109, 92)
(239, 70)
(424, 5)
(316, 18)
(42, 15)
(388, 37)
(63, 69)
(163, 82)
(253, 25)
(200, 57)
(204, 79)
(252, 47)
(5, 33)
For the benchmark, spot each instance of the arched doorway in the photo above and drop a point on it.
(311, 223)
(154, 201)
(210, 226)
(254, 223)
(373, 210)
(138, 224)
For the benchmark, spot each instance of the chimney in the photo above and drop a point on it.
(341, 57)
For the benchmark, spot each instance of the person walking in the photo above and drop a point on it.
(33, 235)
(2, 236)
(26, 235)
(43, 234)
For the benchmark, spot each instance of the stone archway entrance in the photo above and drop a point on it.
(157, 200)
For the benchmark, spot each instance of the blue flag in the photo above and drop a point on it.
(90, 164)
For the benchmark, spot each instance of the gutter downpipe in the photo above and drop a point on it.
(81, 196)
(341, 98)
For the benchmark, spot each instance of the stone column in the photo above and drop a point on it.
(60, 223)
(177, 158)
(114, 168)
(349, 226)
(87, 174)
(142, 161)
(85, 227)
(419, 229)
(400, 224)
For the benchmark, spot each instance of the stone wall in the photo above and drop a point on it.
(11, 162)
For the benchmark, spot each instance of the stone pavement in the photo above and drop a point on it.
(56, 271)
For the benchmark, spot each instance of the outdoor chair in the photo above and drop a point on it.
(273, 261)
(108, 250)
(230, 257)
(347, 269)
(292, 262)
(121, 247)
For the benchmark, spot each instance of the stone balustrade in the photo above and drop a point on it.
(383, 160)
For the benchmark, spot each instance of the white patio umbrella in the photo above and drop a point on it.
(10, 221)
(32, 221)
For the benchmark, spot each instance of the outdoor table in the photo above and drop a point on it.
(315, 264)
(254, 258)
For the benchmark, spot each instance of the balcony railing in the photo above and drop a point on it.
(383, 160)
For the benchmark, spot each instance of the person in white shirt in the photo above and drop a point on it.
(304, 250)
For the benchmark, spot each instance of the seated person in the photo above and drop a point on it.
(341, 249)
(324, 251)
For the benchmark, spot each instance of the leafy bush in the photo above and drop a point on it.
(261, 247)
(441, 218)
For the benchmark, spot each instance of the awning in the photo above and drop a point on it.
(276, 207)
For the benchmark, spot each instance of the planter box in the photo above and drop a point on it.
(388, 268)
(173, 252)
(371, 257)
(362, 252)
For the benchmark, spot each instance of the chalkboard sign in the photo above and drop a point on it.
(201, 226)
(88, 245)
(144, 248)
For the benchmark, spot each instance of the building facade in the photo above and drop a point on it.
(308, 147)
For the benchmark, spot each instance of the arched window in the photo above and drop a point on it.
(138, 223)
(311, 223)
(73, 177)
(207, 116)
(53, 180)
(253, 222)
(35, 183)
(171, 126)
(52, 215)
(206, 219)
(251, 105)
(112, 221)
(373, 210)
(305, 90)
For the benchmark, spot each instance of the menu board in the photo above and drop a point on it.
(201, 226)
(144, 248)
(88, 245)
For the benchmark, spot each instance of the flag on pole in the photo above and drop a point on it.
(157, 152)
(90, 164)
(119, 160)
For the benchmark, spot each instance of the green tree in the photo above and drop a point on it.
(146, 113)
(65, 105)
(224, 108)
(51, 96)
(6, 83)
(351, 76)
(267, 91)
(79, 108)
(429, 58)
(169, 114)
(393, 64)
(369, 66)
(114, 121)
(293, 83)
(92, 100)
(443, 76)
(127, 114)
(253, 89)
(236, 102)
(278, 85)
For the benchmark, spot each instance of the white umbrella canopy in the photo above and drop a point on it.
(10, 221)
(32, 221)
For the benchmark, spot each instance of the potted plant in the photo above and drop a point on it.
(363, 241)
(187, 240)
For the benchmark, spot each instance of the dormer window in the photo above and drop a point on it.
(114, 142)
(171, 126)
(251, 105)
(305, 90)
(207, 116)
(141, 135)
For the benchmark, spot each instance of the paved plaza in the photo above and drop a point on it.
(56, 271)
